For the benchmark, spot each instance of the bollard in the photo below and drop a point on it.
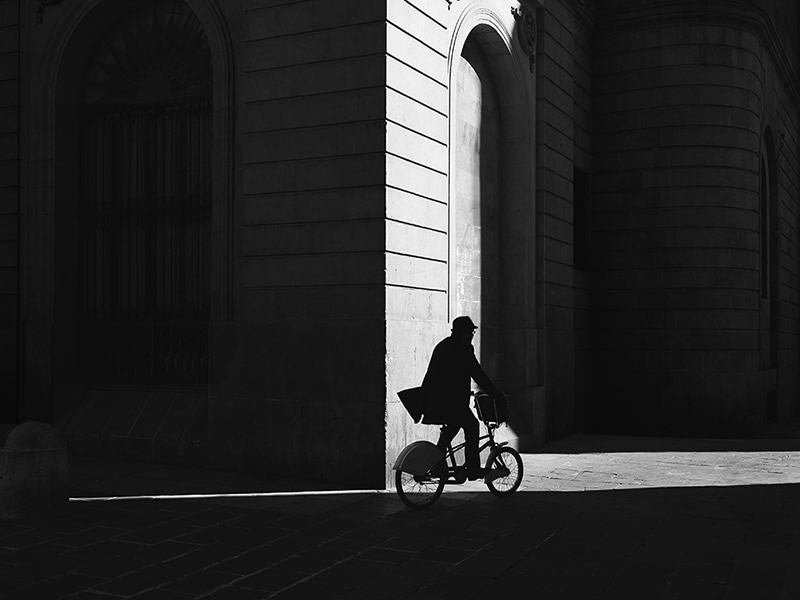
(33, 472)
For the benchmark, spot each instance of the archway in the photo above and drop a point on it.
(132, 227)
(99, 83)
(478, 189)
(492, 228)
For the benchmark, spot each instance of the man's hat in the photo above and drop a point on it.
(463, 324)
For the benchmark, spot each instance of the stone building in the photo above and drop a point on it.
(232, 230)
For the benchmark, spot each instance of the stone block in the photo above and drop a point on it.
(9, 147)
(410, 208)
(555, 131)
(9, 13)
(416, 147)
(317, 238)
(266, 19)
(310, 111)
(33, 472)
(317, 78)
(8, 281)
(426, 305)
(419, 241)
(9, 68)
(435, 12)
(9, 258)
(422, 88)
(9, 41)
(320, 269)
(416, 272)
(308, 303)
(403, 44)
(9, 89)
(315, 46)
(415, 178)
(415, 116)
(313, 205)
(335, 139)
(315, 174)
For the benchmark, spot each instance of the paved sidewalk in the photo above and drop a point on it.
(596, 517)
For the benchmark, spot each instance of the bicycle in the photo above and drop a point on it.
(422, 469)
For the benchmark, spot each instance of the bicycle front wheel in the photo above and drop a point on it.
(418, 491)
(504, 473)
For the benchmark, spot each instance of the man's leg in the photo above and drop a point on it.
(471, 431)
(447, 434)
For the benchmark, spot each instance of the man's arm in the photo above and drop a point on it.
(481, 378)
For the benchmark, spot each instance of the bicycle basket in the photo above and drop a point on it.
(491, 410)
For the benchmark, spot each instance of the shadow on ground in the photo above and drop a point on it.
(705, 542)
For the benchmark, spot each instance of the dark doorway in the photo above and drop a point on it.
(133, 236)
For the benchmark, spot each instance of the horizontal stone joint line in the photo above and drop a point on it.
(419, 133)
(414, 287)
(417, 101)
(291, 66)
(399, 189)
(313, 95)
(318, 126)
(282, 224)
(313, 191)
(415, 69)
(426, 15)
(312, 158)
(416, 225)
(441, 261)
(321, 253)
(414, 37)
(304, 32)
(419, 164)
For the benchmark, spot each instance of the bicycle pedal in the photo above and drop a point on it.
(497, 474)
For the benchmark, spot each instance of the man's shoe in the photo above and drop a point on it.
(478, 473)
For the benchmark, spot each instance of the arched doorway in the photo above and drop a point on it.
(132, 238)
(477, 199)
(492, 232)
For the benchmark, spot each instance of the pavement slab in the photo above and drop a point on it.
(595, 517)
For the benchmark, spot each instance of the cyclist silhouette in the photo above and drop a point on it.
(447, 391)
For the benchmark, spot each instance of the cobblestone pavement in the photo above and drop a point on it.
(596, 517)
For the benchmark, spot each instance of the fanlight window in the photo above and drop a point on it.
(146, 200)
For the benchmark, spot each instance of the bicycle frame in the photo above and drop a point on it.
(457, 474)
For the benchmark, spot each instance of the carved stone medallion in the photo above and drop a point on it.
(526, 32)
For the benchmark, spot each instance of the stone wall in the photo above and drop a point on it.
(683, 100)
(9, 206)
(301, 387)
(583, 414)
(440, 149)
(416, 204)
(554, 156)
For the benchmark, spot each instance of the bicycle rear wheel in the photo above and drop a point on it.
(507, 464)
(418, 491)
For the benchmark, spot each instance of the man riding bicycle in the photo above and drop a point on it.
(447, 391)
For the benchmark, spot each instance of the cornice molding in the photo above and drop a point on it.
(737, 13)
